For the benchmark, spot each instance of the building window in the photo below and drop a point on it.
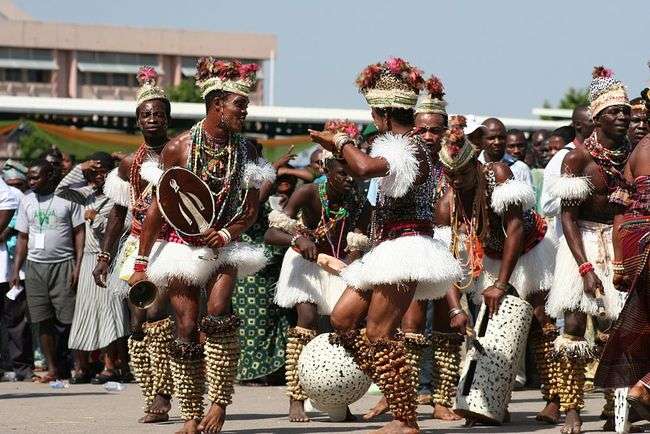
(120, 80)
(38, 76)
(11, 74)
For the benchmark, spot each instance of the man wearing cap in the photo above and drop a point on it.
(151, 328)
(582, 283)
(185, 265)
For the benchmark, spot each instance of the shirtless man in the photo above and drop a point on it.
(380, 287)
(582, 285)
(328, 214)
(151, 328)
(184, 265)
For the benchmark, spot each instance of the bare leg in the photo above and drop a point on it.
(388, 305)
(413, 322)
(545, 331)
(220, 387)
(184, 301)
(48, 345)
(441, 405)
(306, 329)
(575, 324)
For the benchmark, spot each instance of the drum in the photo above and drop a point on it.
(487, 379)
(185, 201)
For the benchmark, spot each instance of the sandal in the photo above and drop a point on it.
(44, 379)
(103, 378)
(80, 378)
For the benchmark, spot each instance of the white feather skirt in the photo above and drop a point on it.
(532, 273)
(196, 265)
(406, 259)
(567, 291)
(303, 281)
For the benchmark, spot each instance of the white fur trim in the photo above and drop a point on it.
(574, 348)
(443, 233)
(279, 220)
(533, 271)
(567, 291)
(302, 281)
(512, 192)
(174, 260)
(414, 258)
(399, 152)
(358, 242)
(257, 173)
(151, 172)
(117, 189)
(570, 187)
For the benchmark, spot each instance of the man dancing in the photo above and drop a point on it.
(184, 266)
(380, 288)
(329, 213)
(504, 240)
(584, 258)
(151, 328)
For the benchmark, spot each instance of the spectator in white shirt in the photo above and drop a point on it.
(583, 125)
(493, 145)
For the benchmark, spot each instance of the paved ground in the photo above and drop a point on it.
(35, 408)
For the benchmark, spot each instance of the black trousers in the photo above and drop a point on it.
(14, 316)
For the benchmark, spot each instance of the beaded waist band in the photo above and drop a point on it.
(404, 228)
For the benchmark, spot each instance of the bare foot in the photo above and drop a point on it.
(154, 418)
(380, 408)
(398, 427)
(550, 414)
(572, 423)
(297, 411)
(443, 413)
(213, 420)
(189, 427)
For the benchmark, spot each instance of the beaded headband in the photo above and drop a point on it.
(149, 89)
(433, 101)
(234, 77)
(456, 151)
(392, 84)
(605, 91)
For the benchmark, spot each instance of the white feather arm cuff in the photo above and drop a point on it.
(279, 220)
(358, 242)
(257, 173)
(570, 187)
(117, 189)
(399, 152)
(512, 192)
(151, 172)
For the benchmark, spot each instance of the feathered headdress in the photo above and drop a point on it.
(433, 101)
(605, 91)
(342, 126)
(149, 89)
(235, 77)
(456, 150)
(392, 84)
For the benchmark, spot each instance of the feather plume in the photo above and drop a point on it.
(435, 87)
(602, 72)
(147, 74)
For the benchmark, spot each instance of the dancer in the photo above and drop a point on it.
(397, 268)
(505, 242)
(329, 213)
(431, 124)
(151, 328)
(184, 265)
(626, 359)
(584, 258)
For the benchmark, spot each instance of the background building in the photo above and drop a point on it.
(100, 62)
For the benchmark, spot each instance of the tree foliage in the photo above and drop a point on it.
(32, 144)
(574, 98)
(185, 91)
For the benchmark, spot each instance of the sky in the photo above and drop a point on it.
(495, 58)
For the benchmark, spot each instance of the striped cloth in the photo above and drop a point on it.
(99, 317)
